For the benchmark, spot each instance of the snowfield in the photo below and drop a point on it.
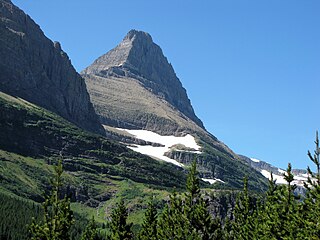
(212, 181)
(168, 141)
(298, 179)
(279, 178)
(255, 160)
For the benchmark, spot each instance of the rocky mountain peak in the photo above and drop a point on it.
(140, 35)
(138, 57)
(34, 68)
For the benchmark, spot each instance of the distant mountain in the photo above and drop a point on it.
(38, 70)
(300, 175)
(133, 87)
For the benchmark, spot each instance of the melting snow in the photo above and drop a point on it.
(168, 141)
(279, 178)
(212, 181)
(255, 160)
(298, 179)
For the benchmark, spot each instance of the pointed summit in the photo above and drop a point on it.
(138, 57)
(134, 44)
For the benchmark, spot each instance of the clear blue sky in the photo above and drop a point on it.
(251, 68)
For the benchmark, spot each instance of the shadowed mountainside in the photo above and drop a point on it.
(38, 70)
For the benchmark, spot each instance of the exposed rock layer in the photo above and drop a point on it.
(139, 58)
(38, 70)
(133, 86)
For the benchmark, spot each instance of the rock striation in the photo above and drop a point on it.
(36, 69)
(139, 58)
(134, 87)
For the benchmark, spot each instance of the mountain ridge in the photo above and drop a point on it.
(36, 69)
(138, 57)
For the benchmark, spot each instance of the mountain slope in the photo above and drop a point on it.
(140, 58)
(36, 69)
(300, 175)
(134, 87)
(31, 131)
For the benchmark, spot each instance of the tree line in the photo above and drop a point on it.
(277, 214)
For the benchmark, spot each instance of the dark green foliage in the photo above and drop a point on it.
(15, 214)
(58, 216)
(91, 232)
(310, 209)
(280, 214)
(243, 227)
(149, 226)
(174, 223)
(119, 228)
(187, 217)
(28, 130)
(196, 208)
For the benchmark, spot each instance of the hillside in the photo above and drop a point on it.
(36, 69)
(97, 171)
(134, 87)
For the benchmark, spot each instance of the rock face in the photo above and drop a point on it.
(139, 58)
(36, 69)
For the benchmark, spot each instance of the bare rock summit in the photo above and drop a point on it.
(138, 57)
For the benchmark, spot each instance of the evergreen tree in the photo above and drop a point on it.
(187, 217)
(243, 226)
(173, 222)
(91, 232)
(149, 226)
(310, 209)
(196, 208)
(290, 210)
(120, 229)
(58, 216)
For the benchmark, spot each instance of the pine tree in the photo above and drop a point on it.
(58, 216)
(289, 216)
(91, 232)
(310, 209)
(120, 229)
(173, 222)
(196, 208)
(149, 226)
(243, 226)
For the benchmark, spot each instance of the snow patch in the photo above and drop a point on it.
(298, 179)
(255, 160)
(279, 179)
(212, 181)
(168, 141)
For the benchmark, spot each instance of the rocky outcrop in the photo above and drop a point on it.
(36, 69)
(139, 58)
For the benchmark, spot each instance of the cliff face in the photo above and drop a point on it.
(139, 58)
(36, 69)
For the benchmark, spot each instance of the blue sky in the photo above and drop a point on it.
(251, 68)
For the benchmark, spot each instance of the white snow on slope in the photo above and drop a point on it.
(279, 178)
(298, 179)
(168, 141)
(255, 160)
(212, 181)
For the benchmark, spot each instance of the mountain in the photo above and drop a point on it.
(139, 58)
(46, 115)
(137, 95)
(300, 175)
(36, 69)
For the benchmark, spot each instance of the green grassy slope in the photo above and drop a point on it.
(97, 171)
(30, 131)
